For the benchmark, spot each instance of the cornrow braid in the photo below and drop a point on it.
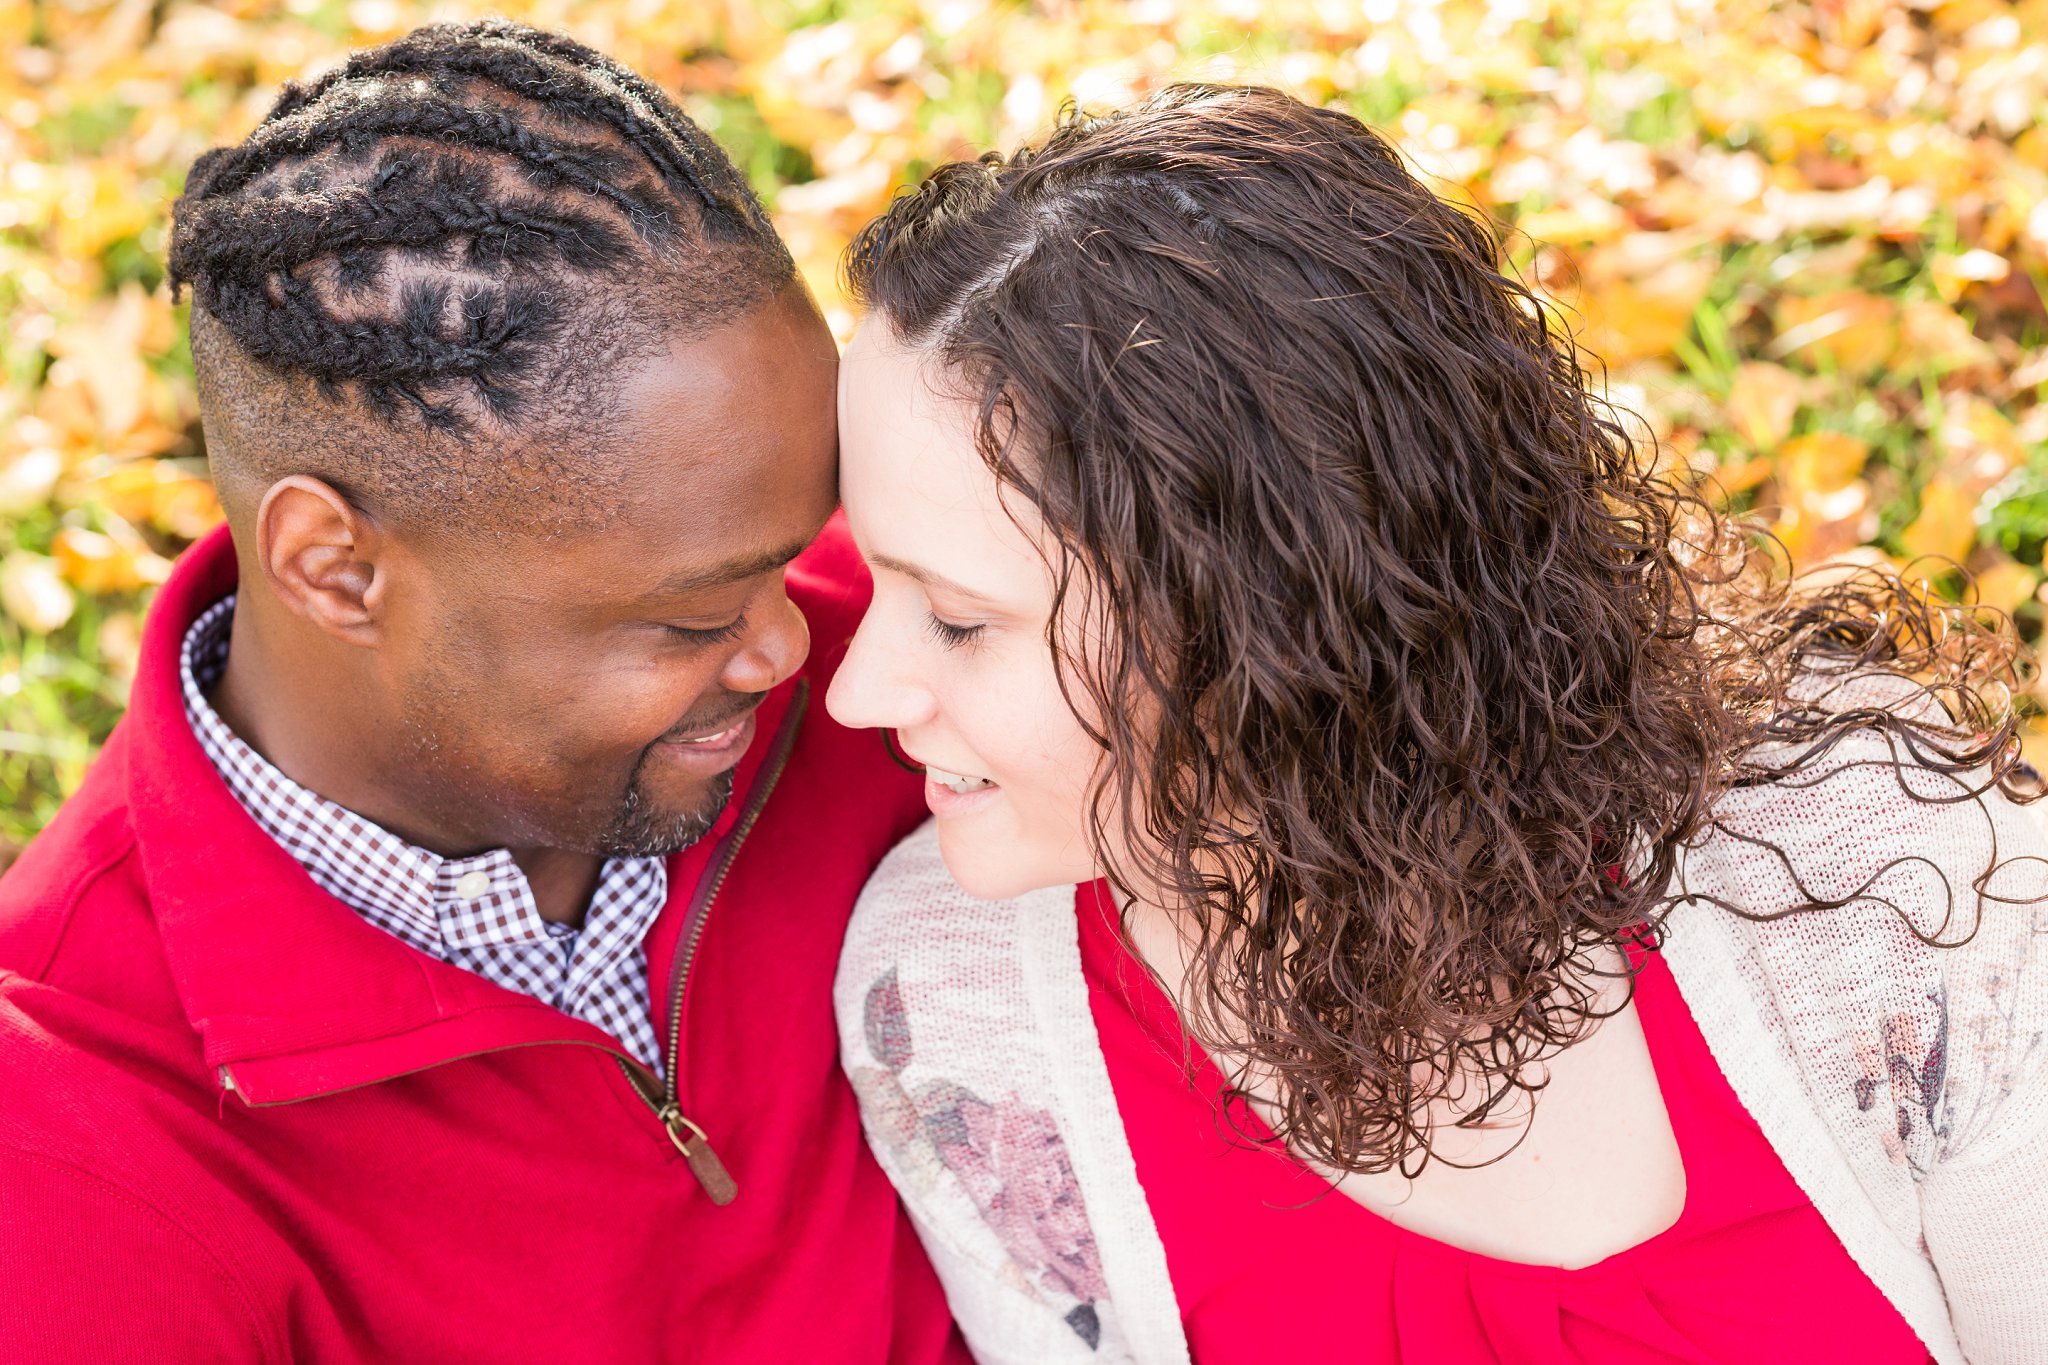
(430, 226)
(546, 164)
(712, 163)
(558, 72)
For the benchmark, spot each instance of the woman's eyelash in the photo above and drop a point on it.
(949, 635)
(717, 635)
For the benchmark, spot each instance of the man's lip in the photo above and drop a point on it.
(713, 752)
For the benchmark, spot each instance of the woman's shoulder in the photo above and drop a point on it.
(937, 983)
(959, 1051)
(1887, 920)
(1871, 822)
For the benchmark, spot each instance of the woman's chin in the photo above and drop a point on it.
(997, 864)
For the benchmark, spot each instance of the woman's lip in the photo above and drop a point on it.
(948, 804)
(927, 763)
(942, 800)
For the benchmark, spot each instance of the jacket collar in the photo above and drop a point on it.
(291, 992)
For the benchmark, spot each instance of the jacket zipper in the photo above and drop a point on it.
(689, 1139)
(666, 1100)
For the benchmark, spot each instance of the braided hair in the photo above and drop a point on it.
(465, 231)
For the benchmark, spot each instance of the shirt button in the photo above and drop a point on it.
(470, 885)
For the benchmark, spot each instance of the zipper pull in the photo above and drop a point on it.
(716, 1180)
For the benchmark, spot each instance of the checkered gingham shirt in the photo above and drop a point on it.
(476, 912)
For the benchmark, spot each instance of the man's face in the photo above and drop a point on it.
(593, 692)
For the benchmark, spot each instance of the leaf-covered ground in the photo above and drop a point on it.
(1809, 241)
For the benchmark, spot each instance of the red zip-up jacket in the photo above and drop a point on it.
(239, 1123)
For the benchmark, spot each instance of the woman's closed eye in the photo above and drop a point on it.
(949, 635)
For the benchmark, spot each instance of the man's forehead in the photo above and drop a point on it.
(782, 341)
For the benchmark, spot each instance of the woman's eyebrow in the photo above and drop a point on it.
(930, 578)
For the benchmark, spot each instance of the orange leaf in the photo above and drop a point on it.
(1630, 319)
(1740, 478)
(1819, 526)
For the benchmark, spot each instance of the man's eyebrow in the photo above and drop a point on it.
(732, 571)
(928, 577)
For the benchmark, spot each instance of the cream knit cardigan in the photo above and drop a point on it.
(1905, 1086)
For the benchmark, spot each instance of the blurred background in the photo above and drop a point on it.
(1809, 241)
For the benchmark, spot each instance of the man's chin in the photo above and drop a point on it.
(648, 828)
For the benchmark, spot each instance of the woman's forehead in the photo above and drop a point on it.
(915, 486)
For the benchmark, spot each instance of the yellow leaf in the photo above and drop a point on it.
(1762, 402)
(1954, 17)
(2031, 147)
(1578, 219)
(27, 480)
(1851, 24)
(17, 22)
(34, 593)
(98, 563)
(2034, 743)
(104, 353)
(1932, 333)
(1821, 461)
(2005, 585)
(1946, 527)
(1953, 275)
(1979, 444)
(159, 494)
(1858, 330)
(102, 203)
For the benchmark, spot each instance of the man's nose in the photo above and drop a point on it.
(774, 649)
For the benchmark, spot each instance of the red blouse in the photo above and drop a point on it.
(1269, 1265)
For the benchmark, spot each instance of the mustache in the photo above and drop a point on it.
(713, 721)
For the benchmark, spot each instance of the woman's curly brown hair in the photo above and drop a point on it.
(1441, 675)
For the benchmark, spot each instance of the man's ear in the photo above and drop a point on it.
(322, 556)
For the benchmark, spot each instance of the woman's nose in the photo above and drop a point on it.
(872, 689)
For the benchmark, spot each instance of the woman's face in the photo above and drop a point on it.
(952, 654)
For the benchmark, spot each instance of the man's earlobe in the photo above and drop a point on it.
(321, 555)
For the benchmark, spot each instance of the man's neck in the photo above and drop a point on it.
(562, 882)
